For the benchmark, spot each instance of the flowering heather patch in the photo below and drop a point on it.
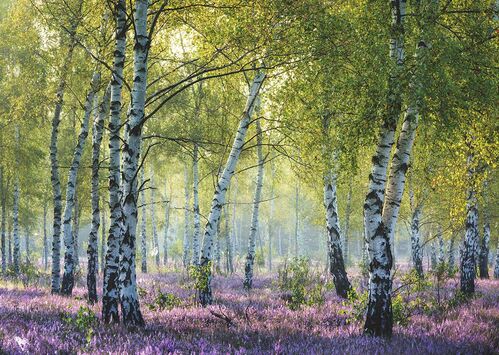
(34, 321)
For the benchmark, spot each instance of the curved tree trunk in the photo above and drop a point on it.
(69, 241)
(417, 256)
(54, 165)
(254, 229)
(336, 263)
(110, 279)
(92, 250)
(379, 318)
(128, 291)
(205, 296)
(143, 226)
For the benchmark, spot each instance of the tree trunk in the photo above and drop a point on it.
(496, 263)
(297, 216)
(195, 204)
(167, 226)
(254, 229)
(54, 165)
(441, 249)
(336, 263)
(379, 318)
(103, 232)
(271, 215)
(143, 226)
(346, 233)
(470, 243)
(128, 291)
(484, 252)
(45, 240)
(433, 256)
(92, 250)
(451, 254)
(2, 225)
(417, 257)
(186, 243)
(69, 241)
(228, 242)
(110, 279)
(205, 296)
(17, 250)
(76, 232)
(9, 235)
(155, 239)
(27, 246)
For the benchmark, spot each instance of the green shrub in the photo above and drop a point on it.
(85, 321)
(164, 301)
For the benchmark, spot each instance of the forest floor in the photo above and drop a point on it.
(32, 321)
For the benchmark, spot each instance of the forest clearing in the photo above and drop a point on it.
(249, 176)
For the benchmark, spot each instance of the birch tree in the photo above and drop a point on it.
(185, 258)
(110, 292)
(3, 201)
(155, 239)
(54, 162)
(92, 251)
(129, 299)
(254, 229)
(143, 225)
(167, 226)
(15, 212)
(205, 295)
(69, 241)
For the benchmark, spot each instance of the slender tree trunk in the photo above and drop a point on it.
(279, 238)
(167, 226)
(417, 257)
(70, 260)
(110, 279)
(54, 164)
(45, 240)
(9, 235)
(469, 246)
(228, 242)
(433, 256)
(103, 232)
(155, 239)
(255, 226)
(143, 226)
(496, 263)
(27, 245)
(234, 225)
(205, 296)
(92, 250)
(186, 243)
(297, 216)
(483, 261)
(380, 216)
(346, 233)
(195, 203)
(17, 250)
(441, 249)
(336, 263)
(76, 232)
(128, 292)
(2, 225)
(271, 215)
(451, 254)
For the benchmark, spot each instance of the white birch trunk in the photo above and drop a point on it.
(451, 253)
(129, 298)
(483, 261)
(254, 229)
(54, 167)
(167, 226)
(92, 251)
(496, 263)
(2, 225)
(271, 215)
(336, 263)
(185, 258)
(45, 240)
(155, 239)
(69, 241)
(379, 318)
(15, 214)
(27, 246)
(103, 232)
(441, 249)
(143, 225)
(417, 257)
(195, 203)
(228, 242)
(205, 296)
(110, 293)
(346, 233)
(469, 246)
(297, 217)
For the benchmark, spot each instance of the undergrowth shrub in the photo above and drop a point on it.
(301, 285)
(85, 322)
(164, 301)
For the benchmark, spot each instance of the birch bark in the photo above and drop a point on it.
(129, 299)
(15, 213)
(195, 204)
(167, 226)
(155, 240)
(2, 225)
(186, 243)
(254, 229)
(205, 296)
(92, 251)
(110, 291)
(143, 226)
(69, 241)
